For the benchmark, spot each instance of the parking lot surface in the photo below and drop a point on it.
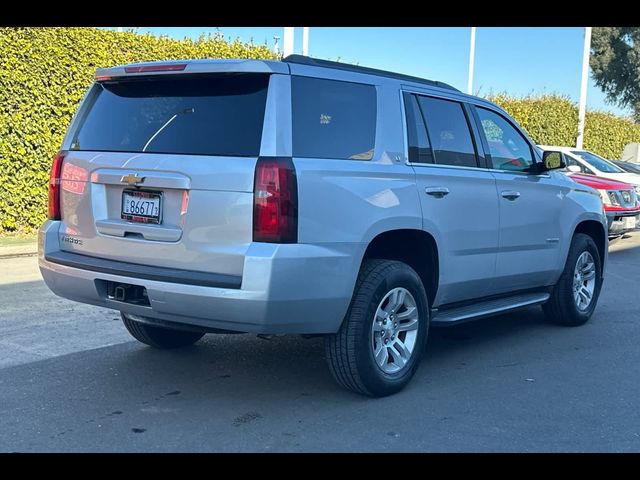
(72, 379)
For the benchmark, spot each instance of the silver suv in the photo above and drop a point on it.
(312, 197)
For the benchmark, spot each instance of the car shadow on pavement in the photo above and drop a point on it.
(241, 366)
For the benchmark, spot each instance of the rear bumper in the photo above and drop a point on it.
(294, 288)
(617, 223)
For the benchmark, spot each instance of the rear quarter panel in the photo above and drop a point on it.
(352, 201)
(344, 204)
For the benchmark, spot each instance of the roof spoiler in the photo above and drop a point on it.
(174, 67)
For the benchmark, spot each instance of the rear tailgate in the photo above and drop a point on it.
(160, 171)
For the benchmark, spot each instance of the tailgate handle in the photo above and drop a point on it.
(121, 228)
(133, 235)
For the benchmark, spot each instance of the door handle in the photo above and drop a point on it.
(437, 192)
(510, 194)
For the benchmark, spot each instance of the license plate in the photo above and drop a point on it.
(630, 222)
(141, 206)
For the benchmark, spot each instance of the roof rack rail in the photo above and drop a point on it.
(316, 62)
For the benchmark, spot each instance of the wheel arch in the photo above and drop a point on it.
(597, 232)
(416, 248)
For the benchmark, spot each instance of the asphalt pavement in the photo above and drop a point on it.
(72, 380)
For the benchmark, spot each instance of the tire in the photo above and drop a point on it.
(563, 308)
(350, 352)
(159, 337)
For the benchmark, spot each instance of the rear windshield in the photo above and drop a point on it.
(205, 115)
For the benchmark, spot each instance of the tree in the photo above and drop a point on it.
(615, 63)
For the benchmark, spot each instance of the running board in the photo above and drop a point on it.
(484, 309)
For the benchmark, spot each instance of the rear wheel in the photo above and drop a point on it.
(159, 337)
(378, 347)
(574, 297)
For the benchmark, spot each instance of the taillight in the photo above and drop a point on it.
(275, 201)
(54, 186)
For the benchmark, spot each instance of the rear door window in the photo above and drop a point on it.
(333, 119)
(449, 132)
(199, 115)
(419, 146)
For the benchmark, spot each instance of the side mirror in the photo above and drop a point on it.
(552, 160)
(574, 169)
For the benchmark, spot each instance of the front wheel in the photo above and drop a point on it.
(379, 345)
(574, 298)
(159, 337)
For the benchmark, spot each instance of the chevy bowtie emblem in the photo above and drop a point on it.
(132, 179)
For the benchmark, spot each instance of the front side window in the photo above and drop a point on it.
(597, 162)
(449, 132)
(333, 119)
(508, 148)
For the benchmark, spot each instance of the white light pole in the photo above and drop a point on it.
(472, 54)
(305, 41)
(583, 86)
(276, 45)
(288, 41)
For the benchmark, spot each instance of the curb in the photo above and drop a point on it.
(17, 255)
(23, 250)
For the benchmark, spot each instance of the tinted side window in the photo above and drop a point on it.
(204, 115)
(419, 146)
(333, 119)
(509, 150)
(449, 132)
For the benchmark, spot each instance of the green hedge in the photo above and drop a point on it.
(44, 73)
(553, 120)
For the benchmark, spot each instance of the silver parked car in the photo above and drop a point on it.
(312, 197)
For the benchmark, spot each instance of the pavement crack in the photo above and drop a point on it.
(246, 418)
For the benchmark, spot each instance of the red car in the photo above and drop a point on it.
(619, 199)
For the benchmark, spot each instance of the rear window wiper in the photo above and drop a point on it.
(166, 124)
